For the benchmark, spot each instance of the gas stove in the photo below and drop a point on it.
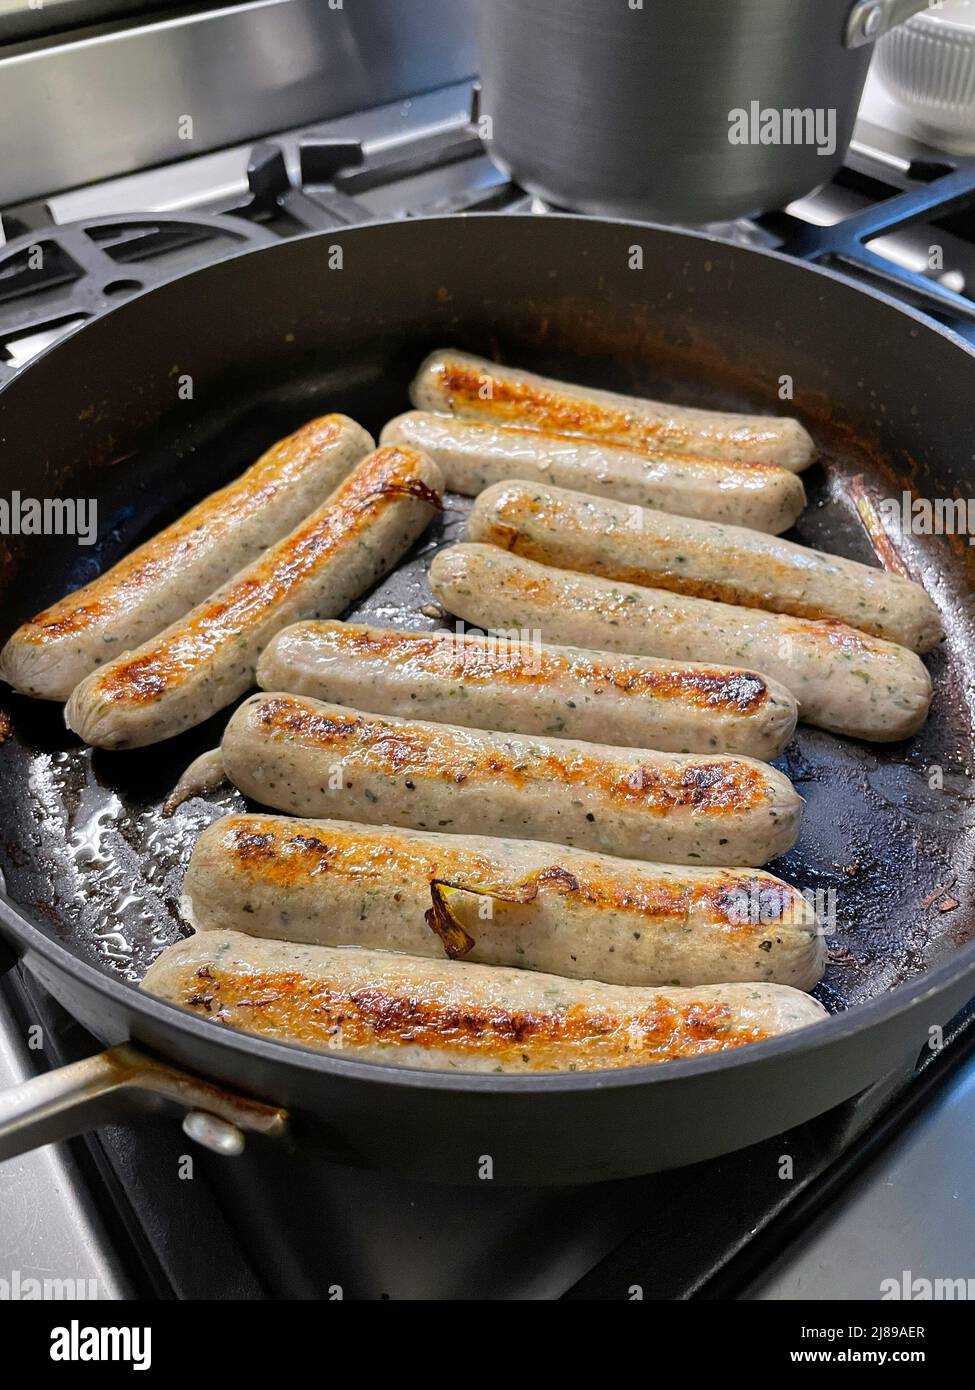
(860, 1203)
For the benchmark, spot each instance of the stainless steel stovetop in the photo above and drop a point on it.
(881, 1186)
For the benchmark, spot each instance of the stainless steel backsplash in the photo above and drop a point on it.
(91, 104)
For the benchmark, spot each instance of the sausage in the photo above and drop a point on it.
(472, 455)
(460, 384)
(163, 579)
(313, 759)
(377, 1006)
(206, 660)
(727, 563)
(499, 902)
(524, 687)
(843, 680)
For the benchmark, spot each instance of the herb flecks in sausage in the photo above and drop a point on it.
(390, 748)
(283, 853)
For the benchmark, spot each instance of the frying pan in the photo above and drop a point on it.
(273, 336)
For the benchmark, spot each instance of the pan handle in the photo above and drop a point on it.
(113, 1084)
(70, 1100)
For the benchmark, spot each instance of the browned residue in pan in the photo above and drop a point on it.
(313, 1011)
(880, 539)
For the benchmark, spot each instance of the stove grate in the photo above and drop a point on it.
(844, 245)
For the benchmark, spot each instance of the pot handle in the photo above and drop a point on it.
(871, 19)
(103, 1089)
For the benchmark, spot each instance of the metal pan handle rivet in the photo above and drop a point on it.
(125, 1080)
(213, 1133)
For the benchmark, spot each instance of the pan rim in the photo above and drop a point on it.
(849, 282)
(902, 998)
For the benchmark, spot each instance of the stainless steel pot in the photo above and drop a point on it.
(676, 110)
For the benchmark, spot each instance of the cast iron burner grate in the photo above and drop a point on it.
(57, 278)
(843, 246)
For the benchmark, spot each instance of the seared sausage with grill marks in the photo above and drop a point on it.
(472, 455)
(499, 902)
(206, 660)
(705, 559)
(162, 579)
(313, 759)
(447, 1015)
(843, 680)
(460, 384)
(526, 687)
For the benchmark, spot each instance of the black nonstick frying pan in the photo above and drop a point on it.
(273, 336)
